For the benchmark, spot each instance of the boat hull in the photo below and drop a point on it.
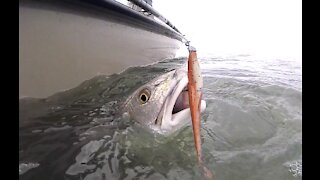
(61, 46)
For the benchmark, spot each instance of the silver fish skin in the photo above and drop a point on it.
(162, 105)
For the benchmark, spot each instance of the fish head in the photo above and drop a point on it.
(162, 104)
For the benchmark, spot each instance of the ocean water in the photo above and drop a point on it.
(251, 129)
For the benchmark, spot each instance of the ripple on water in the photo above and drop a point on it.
(85, 155)
(24, 167)
(52, 129)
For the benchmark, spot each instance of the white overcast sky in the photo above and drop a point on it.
(266, 28)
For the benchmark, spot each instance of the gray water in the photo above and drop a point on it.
(251, 129)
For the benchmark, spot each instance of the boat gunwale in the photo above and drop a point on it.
(106, 10)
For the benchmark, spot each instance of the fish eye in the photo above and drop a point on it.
(144, 96)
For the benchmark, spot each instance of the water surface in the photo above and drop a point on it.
(251, 129)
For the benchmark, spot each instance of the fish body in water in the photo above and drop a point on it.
(162, 104)
(53, 130)
(159, 103)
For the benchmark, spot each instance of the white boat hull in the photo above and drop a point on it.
(60, 49)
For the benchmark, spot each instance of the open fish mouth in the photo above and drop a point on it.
(182, 101)
(175, 112)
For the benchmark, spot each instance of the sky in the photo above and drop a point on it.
(264, 28)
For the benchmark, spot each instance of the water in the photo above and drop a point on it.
(251, 129)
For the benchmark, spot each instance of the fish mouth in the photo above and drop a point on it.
(175, 111)
(180, 97)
